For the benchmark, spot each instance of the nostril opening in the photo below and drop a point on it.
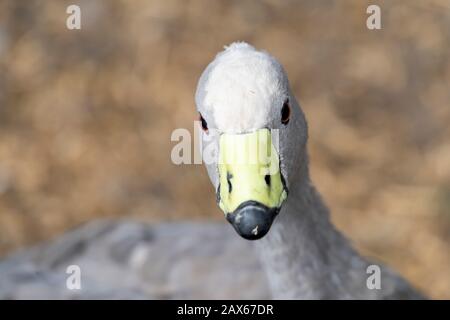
(267, 179)
(230, 187)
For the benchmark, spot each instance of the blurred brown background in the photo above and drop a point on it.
(86, 116)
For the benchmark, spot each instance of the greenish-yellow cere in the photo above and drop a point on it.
(244, 162)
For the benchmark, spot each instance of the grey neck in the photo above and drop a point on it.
(305, 257)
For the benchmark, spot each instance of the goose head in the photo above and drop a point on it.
(254, 136)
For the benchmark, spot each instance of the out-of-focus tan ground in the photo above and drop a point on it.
(86, 116)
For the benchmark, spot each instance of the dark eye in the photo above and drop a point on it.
(203, 121)
(285, 112)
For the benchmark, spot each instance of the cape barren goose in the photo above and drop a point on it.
(244, 100)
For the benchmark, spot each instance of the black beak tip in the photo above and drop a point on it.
(252, 220)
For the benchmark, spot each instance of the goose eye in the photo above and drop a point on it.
(285, 112)
(204, 124)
